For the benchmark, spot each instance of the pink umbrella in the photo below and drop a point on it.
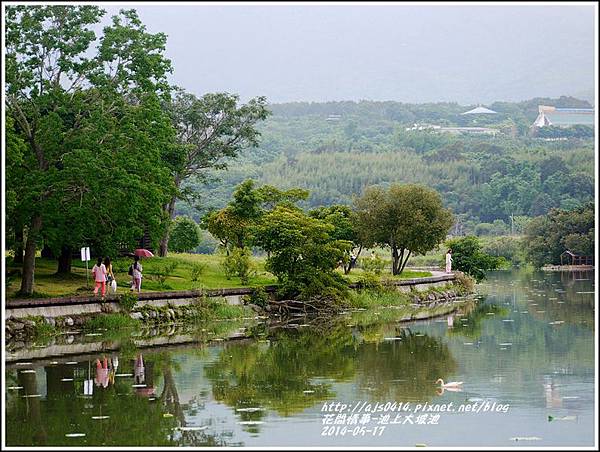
(143, 253)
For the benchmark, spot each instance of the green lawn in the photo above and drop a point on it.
(176, 273)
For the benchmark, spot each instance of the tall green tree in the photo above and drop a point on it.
(302, 253)
(345, 228)
(185, 234)
(89, 118)
(409, 219)
(210, 130)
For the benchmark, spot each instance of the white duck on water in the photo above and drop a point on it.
(450, 384)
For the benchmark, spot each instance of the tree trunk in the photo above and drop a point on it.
(405, 261)
(163, 247)
(348, 268)
(18, 259)
(29, 258)
(395, 257)
(65, 260)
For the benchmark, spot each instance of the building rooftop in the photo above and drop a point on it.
(552, 116)
(480, 111)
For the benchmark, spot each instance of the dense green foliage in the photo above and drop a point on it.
(96, 134)
(481, 178)
(548, 236)
(409, 219)
(468, 257)
(302, 253)
(209, 130)
(184, 234)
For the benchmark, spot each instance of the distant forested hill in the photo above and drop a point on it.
(336, 149)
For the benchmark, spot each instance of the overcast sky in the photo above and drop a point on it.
(426, 53)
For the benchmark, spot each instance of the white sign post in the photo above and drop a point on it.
(85, 256)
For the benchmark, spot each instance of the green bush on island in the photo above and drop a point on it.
(468, 257)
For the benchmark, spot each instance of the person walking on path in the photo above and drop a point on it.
(449, 261)
(136, 274)
(99, 272)
(110, 276)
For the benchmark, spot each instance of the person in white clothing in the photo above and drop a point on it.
(137, 274)
(449, 261)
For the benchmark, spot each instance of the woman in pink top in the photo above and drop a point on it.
(99, 272)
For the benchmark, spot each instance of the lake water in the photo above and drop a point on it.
(524, 352)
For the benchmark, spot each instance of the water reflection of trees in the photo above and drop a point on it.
(279, 376)
(291, 373)
(405, 368)
(470, 325)
(134, 418)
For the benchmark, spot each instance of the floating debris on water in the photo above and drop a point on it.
(308, 391)
(556, 322)
(468, 343)
(100, 417)
(570, 397)
(541, 312)
(94, 334)
(74, 435)
(563, 418)
(505, 343)
(191, 428)
(507, 320)
(525, 438)
(249, 410)
(586, 292)
(250, 422)
(392, 338)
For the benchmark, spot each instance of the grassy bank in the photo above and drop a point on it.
(179, 271)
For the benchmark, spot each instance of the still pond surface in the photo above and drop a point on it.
(524, 352)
